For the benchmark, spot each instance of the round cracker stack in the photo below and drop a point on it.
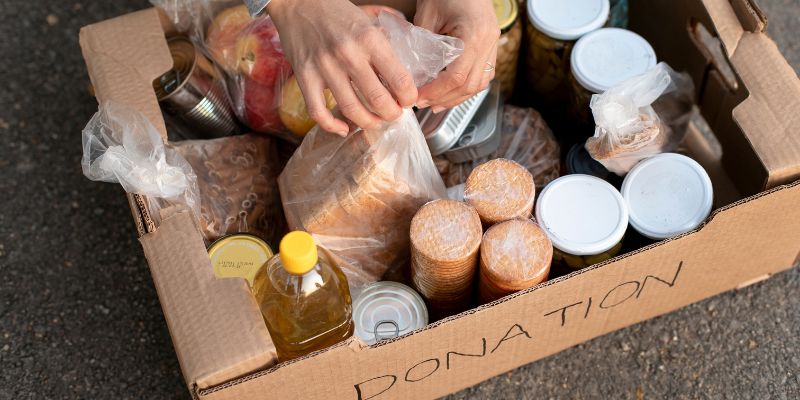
(515, 255)
(500, 190)
(445, 238)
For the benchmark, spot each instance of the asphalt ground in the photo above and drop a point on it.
(79, 316)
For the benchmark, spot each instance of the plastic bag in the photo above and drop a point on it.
(525, 138)
(357, 194)
(237, 178)
(629, 129)
(120, 145)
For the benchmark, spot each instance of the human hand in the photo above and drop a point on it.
(475, 23)
(334, 44)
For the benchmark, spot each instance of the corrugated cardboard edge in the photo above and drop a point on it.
(740, 242)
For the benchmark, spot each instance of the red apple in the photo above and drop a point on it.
(260, 55)
(222, 34)
(261, 106)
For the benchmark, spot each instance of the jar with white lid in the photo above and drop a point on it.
(585, 218)
(552, 29)
(602, 59)
(667, 195)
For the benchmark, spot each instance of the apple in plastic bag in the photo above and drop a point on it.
(260, 55)
(223, 33)
(293, 111)
(260, 106)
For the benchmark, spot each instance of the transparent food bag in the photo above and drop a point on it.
(120, 145)
(628, 127)
(357, 194)
(237, 178)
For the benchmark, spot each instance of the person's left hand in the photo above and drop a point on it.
(474, 22)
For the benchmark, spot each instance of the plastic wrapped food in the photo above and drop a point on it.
(237, 178)
(629, 129)
(500, 190)
(357, 194)
(120, 145)
(526, 139)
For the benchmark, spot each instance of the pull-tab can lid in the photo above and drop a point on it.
(385, 310)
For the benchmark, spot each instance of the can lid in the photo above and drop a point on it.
(240, 255)
(506, 12)
(583, 215)
(568, 19)
(609, 56)
(667, 195)
(386, 310)
(298, 252)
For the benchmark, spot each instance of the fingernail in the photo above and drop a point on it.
(422, 104)
(437, 109)
(342, 132)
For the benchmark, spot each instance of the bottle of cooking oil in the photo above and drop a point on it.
(304, 298)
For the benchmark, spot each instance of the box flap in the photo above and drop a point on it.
(215, 324)
(124, 55)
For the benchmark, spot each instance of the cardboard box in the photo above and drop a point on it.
(746, 91)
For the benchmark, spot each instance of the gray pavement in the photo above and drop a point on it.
(79, 317)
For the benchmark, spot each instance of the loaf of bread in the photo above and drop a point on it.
(515, 255)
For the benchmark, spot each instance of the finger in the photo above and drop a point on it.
(373, 11)
(347, 101)
(312, 87)
(396, 76)
(451, 79)
(377, 97)
(478, 79)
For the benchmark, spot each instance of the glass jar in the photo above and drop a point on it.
(603, 59)
(579, 161)
(553, 27)
(618, 16)
(585, 218)
(507, 14)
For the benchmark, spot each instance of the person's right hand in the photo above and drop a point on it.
(331, 43)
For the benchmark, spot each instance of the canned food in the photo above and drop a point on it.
(481, 137)
(553, 27)
(507, 13)
(585, 218)
(385, 310)
(443, 130)
(667, 195)
(239, 255)
(192, 93)
(602, 59)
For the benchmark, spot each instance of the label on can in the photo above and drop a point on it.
(239, 256)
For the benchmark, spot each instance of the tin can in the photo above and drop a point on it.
(386, 310)
(192, 93)
(507, 13)
(552, 29)
(481, 137)
(443, 130)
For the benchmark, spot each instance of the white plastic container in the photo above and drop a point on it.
(585, 218)
(667, 195)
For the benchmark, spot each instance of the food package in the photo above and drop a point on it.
(526, 139)
(237, 179)
(120, 145)
(628, 127)
(500, 190)
(357, 194)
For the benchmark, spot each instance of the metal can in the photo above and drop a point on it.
(386, 310)
(481, 137)
(443, 130)
(507, 13)
(552, 29)
(192, 92)
(602, 59)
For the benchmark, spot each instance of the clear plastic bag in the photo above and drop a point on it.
(628, 127)
(237, 178)
(120, 145)
(357, 194)
(525, 138)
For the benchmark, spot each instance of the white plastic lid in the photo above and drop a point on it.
(609, 56)
(567, 19)
(583, 215)
(667, 195)
(386, 310)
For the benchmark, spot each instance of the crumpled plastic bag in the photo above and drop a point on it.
(357, 194)
(120, 145)
(628, 127)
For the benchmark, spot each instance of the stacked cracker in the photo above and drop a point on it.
(500, 190)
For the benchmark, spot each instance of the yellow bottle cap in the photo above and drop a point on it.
(298, 252)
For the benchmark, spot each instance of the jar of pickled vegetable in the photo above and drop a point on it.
(507, 13)
(602, 59)
(553, 27)
(585, 218)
